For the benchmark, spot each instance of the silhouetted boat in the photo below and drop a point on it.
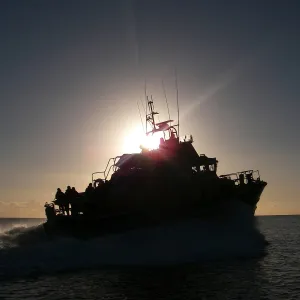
(153, 187)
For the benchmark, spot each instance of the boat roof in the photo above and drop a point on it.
(132, 159)
(123, 159)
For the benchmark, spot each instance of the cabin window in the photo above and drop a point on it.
(210, 168)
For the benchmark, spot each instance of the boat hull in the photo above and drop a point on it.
(84, 227)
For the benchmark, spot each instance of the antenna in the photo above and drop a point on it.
(162, 82)
(140, 114)
(143, 105)
(146, 101)
(177, 99)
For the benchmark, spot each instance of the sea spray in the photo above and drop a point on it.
(27, 251)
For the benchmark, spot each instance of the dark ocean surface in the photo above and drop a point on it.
(211, 263)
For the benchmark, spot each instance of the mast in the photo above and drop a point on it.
(150, 116)
(146, 102)
(177, 100)
(161, 126)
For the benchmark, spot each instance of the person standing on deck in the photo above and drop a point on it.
(59, 200)
(89, 191)
(68, 199)
(74, 202)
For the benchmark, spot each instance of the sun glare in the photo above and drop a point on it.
(151, 142)
(137, 138)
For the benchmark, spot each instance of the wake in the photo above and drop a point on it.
(28, 251)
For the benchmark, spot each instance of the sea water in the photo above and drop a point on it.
(188, 260)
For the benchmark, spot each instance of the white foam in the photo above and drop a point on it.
(28, 251)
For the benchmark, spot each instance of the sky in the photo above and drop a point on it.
(71, 73)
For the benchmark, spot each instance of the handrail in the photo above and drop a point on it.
(244, 172)
(228, 175)
(111, 166)
(239, 173)
(108, 166)
(96, 173)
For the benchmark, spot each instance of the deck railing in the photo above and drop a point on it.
(110, 166)
(236, 176)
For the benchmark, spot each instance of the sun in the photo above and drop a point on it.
(134, 140)
(151, 142)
